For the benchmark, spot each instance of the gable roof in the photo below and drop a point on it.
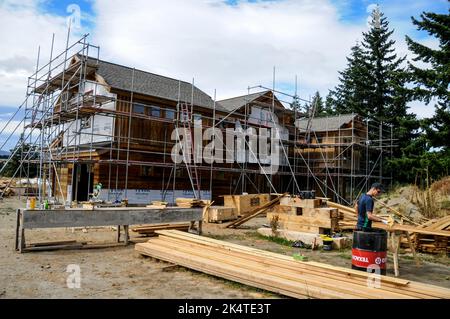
(120, 77)
(323, 124)
(240, 101)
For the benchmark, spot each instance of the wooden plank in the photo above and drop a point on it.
(342, 207)
(397, 227)
(234, 274)
(396, 212)
(317, 266)
(221, 213)
(303, 220)
(440, 224)
(245, 204)
(107, 217)
(259, 266)
(412, 288)
(303, 203)
(292, 269)
(321, 212)
(255, 212)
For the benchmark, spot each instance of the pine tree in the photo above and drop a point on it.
(373, 83)
(386, 99)
(295, 104)
(433, 82)
(321, 109)
(350, 94)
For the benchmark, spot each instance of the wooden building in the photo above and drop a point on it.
(117, 128)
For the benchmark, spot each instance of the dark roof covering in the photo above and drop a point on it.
(240, 101)
(323, 124)
(120, 77)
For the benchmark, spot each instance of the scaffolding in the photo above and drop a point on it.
(65, 102)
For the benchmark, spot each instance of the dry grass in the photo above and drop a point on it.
(274, 224)
(441, 186)
(433, 200)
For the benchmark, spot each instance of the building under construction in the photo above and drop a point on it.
(88, 122)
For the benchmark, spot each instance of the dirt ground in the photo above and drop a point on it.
(119, 272)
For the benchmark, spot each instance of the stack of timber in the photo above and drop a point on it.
(433, 244)
(305, 215)
(349, 213)
(245, 204)
(188, 202)
(257, 211)
(150, 230)
(219, 214)
(278, 273)
(158, 204)
(5, 188)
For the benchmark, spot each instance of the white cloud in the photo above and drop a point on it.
(14, 127)
(228, 47)
(224, 47)
(10, 134)
(23, 27)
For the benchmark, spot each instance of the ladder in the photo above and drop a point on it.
(189, 154)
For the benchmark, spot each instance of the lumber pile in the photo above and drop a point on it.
(317, 221)
(150, 230)
(5, 188)
(246, 203)
(348, 213)
(188, 202)
(278, 273)
(219, 214)
(158, 204)
(433, 244)
(305, 215)
(257, 211)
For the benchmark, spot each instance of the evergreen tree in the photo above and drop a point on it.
(434, 81)
(13, 165)
(351, 93)
(386, 97)
(321, 109)
(373, 83)
(295, 104)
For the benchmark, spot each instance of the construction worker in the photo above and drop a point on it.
(365, 208)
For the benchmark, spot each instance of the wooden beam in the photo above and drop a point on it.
(277, 273)
(255, 212)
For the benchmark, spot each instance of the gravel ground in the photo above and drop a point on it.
(120, 272)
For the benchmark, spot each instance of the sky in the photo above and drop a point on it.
(225, 46)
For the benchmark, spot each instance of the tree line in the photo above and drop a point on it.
(378, 85)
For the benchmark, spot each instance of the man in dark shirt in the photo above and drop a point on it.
(366, 206)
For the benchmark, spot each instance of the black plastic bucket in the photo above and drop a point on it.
(370, 251)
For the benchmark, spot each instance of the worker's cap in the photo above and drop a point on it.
(378, 186)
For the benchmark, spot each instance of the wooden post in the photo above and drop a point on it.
(200, 227)
(16, 246)
(20, 232)
(408, 236)
(126, 234)
(395, 243)
(118, 233)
